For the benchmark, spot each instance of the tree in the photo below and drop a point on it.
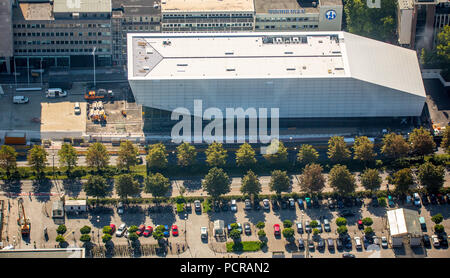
(379, 24)
(313, 224)
(106, 238)
(276, 152)
(8, 156)
(128, 155)
(60, 239)
(438, 228)
(157, 157)
(371, 179)
(68, 156)
(316, 231)
(216, 183)
(445, 143)
(307, 155)
(367, 221)
(342, 230)
(158, 233)
(260, 225)
(342, 180)
(97, 156)
(341, 221)
(402, 180)
(432, 177)
(37, 158)
(382, 201)
(126, 186)
(261, 233)
(437, 218)
(337, 149)
(157, 185)
(235, 234)
(132, 229)
(216, 155)
(96, 186)
(288, 233)
(251, 184)
(186, 154)
(312, 179)
(368, 231)
(421, 141)
(443, 51)
(85, 238)
(363, 149)
(107, 230)
(394, 146)
(279, 182)
(245, 156)
(287, 223)
(133, 236)
(62, 229)
(85, 230)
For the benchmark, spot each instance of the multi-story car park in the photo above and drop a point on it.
(131, 16)
(62, 34)
(207, 16)
(323, 75)
(294, 15)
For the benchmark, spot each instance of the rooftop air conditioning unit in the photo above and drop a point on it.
(295, 40)
(279, 40)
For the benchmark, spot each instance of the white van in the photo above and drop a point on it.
(20, 99)
(56, 92)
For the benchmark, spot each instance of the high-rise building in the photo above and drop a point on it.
(6, 43)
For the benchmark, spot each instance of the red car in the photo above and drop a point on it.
(360, 224)
(113, 228)
(276, 229)
(148, 231)
(140, 230)
(174, 230)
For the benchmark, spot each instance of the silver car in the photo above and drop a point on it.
(121, 230)
(233, 206)
(266, 204)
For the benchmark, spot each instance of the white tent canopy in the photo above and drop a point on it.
(404, 222)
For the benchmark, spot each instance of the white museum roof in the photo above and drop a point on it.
(272, 55)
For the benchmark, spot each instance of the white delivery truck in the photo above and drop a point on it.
(56, 92)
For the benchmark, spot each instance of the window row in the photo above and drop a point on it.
(62, 34)
(52, 50)
(60, 42)
(70, 25)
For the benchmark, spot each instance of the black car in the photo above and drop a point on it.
(247, 229)
(426, 240)
(448, 198)
(216, 206)
(331, 204)
(424, 198)
(256, 205)
(348, 202)
(284, 204)
(339, 244)
(348, 255)
(275, 204)
(321, 244)
(346, 213)
(443, 239)
(441, 199)
(310, 244)
(374, 201)
(301, 243)
(315, 203)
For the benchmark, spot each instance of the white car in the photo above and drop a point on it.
(77, 108)
(384, 242)
(417, 199)
(435, 240)
(326, 225)
(266, 204)
(120, 208)
(204, 232)
(233, 206)
(358, 242)
(121, 230)
(20, 99)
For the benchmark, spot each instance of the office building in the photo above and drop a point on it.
(6, 43)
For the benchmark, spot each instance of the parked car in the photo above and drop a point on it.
(247, 228)
(256, 205)
(348, 256)
(266, 204)
(441, 199)
(331, 204)
(326, 225)
(443, 240)
(426, 240)
(448, 198)
(233, 206)
(416, 199)
(358, 242)
(375, 240)
(291, 203)
(321, 244)
(224, 205)
(77, 109)
(433, 199)
(275, 204)
(20, 99)
(435, 241)
(166, 231)
(276, 230)
(198, 206)
(423, 224)
(174, 230)
(340, 203)
(308, 202)
(284, 204)
(384, 242)
(307, 226)
(310, 244)
(121, 230)
(120, 208)
(424, 198)
(319, 226)
(248, 204)
(359, 201)
(315, 203)
(330, 243)
(391, 201)
(300, 203)
(140, 230)
(360, 224)
(204, 232)
(113, 228)
(148, 231)
(299, 227)
(339, 244)
(216, 206)
(301, 243)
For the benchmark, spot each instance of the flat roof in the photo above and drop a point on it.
(206, 5)
(82, 6)
(403, 222)
(266, 6)
(33, 11)
(253, 55)
(138, 7)
(75, 202)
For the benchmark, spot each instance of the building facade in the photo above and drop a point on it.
(303, 74)
(6, 43)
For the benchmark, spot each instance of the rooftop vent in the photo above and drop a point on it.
(295, 40)
(229, 53)
(279, 40)
(146, 68)
(231, 69)
(182, 65)
(288, 52)
(290, 69)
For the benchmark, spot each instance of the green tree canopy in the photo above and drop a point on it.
(157, 156)
(216, 155)
(288, 233)
(307, 154)
(443, 50)
(68, 156)
(371, 179)
(157, 185)
(251, 184)
(394, 146)
(421, 141)
(402, 180)
(363, 149)
(279, 181)
(445, 143)
(186, 155)
(127, 155)
(85, 230)
(337, 149)
(367, 221)
(96, 186)
(216, 183)
(106, 238)
(342, 180)
(245, 156)
(312, 179)
(432, 177)
(37, 158)
(126, 186)
(8, 156)
(97, 156)
(341, 221)
(85, 238)
(276, 152)
(437, 218)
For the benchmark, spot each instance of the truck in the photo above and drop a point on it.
(15, 138)
(95, 95)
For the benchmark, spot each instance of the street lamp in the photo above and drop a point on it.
(93, 58)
